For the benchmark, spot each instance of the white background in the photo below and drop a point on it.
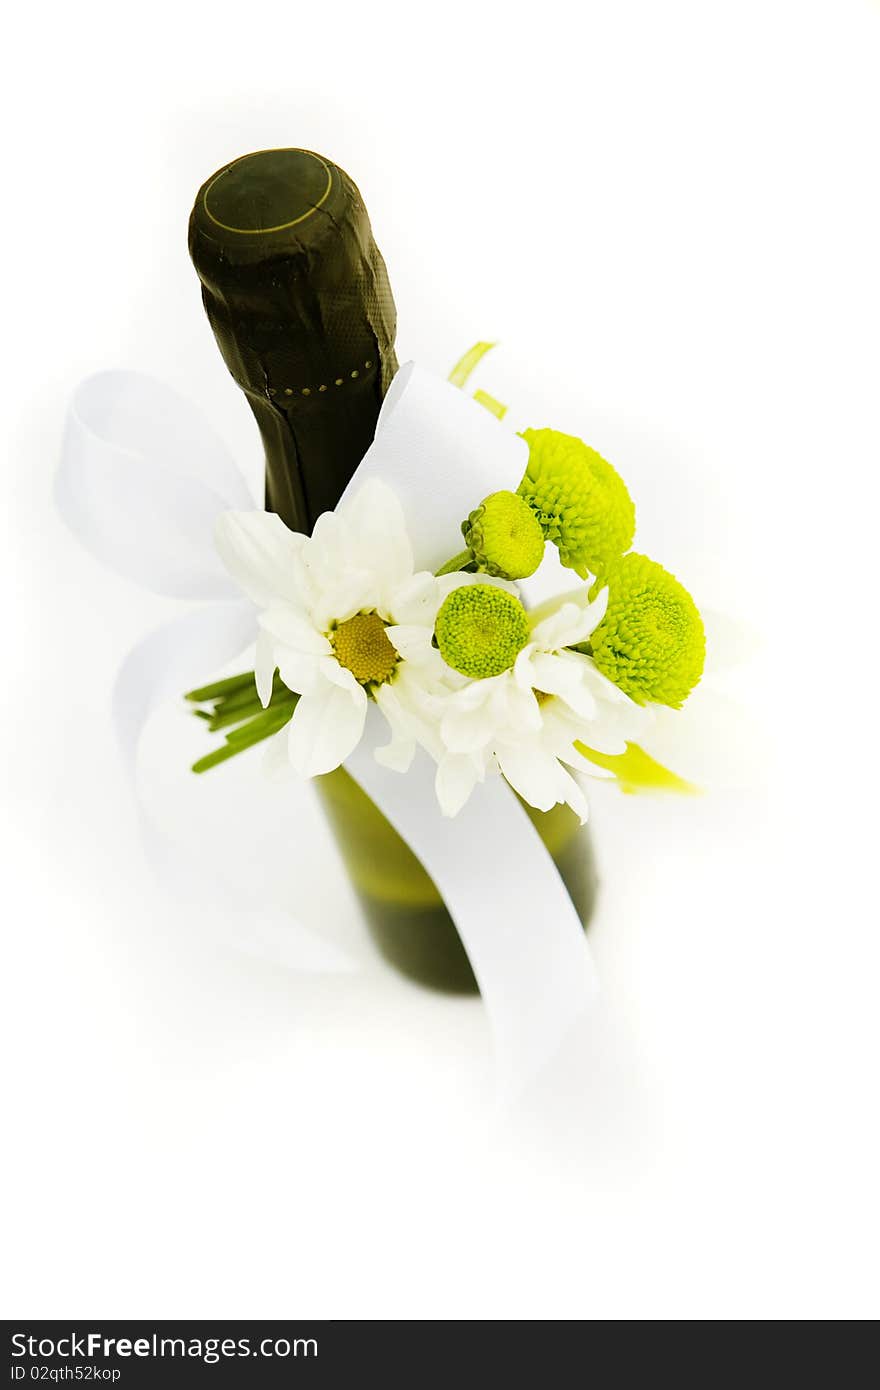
(668, 214)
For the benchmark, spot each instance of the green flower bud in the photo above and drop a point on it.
(651, 642)
(504, 536)
(580, 500)
(480, 630)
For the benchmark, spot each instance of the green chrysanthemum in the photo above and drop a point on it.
(580, 500)
(651, 642)
(480, 630)
(504, 536)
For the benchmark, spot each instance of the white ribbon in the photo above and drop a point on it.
(141, 482)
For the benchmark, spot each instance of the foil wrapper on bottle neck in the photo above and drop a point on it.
(297, 294)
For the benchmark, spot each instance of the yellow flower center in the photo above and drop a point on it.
(362, 647)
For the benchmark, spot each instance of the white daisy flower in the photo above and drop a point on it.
(344, 618)
(530, 698)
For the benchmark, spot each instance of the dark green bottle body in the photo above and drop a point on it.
(405, 912)
(298, 297)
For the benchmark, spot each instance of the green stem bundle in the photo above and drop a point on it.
(234, 704)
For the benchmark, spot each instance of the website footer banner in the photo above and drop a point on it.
(143, 1353)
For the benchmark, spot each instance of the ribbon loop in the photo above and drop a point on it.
(141, 482)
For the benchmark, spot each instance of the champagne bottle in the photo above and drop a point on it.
(297, 294)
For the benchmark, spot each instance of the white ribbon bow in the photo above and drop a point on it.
(141, 483)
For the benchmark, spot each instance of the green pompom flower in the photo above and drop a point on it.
(480, 630)
(580, 500)
(651, 642)
(504, 536)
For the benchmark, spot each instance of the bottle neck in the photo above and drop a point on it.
(314, 447)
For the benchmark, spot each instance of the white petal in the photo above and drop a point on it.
(465, 729)
(571, 792)
(607, 732)
(522, 669)
(432, 672)
(457, 775)
(522, 709)
(475, 693)
(570, 624)
(338, 675)
(559, 628)
(411, 711)
(599, 607)
(377, 528)
(551, 605)
(396, 754)
(603, 737)
(344, 594)
(325, 559)
(299, 670)
(581, 702)
(532, 771)
(553, 674)
(448, 583)
(293, 630)
(264, 666)
(325, 728)
(328, 546)
(458, 580)
(601, 774)
(412, 642)
(560, 729)
(604, 688)
(619, 726)
(276, 760)
(261, 554)
(416, 600)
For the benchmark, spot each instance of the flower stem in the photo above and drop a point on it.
(221, 689)
(235, 702)
(224, 717)
(244, 738)
(458, 562)
(240, 699)
(266, 722)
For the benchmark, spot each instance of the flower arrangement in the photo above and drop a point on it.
(468, 709)
(454, 660)
(407, 645)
